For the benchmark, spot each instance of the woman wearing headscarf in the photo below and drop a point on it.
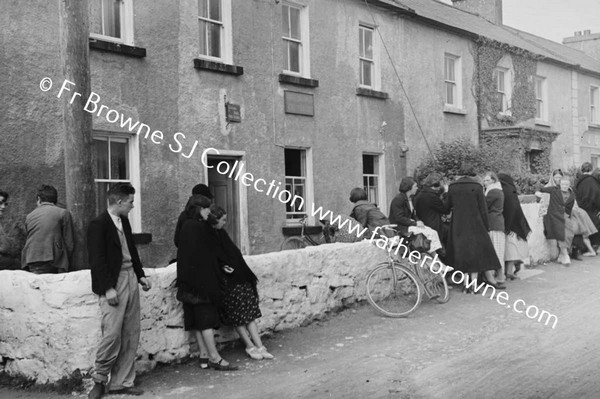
(494, 198)
(515, 225)
(470, 248)
(429, 205)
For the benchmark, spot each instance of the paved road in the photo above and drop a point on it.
(468, 348)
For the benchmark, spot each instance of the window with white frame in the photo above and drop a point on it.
(366, 56)
(214, 20)
(112, 20)
(294, 22)
(594, 160)
(371, 177)
(541, 108)
(594, 105)
(117, 161)
(295, 182)
(503, 89)
(453, 80)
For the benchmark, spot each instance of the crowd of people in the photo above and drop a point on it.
(476, 223)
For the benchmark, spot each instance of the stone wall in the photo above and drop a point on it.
(50, 324)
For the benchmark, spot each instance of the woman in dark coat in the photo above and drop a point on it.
(198, 274)
(470, 248)
(240, 301)
(515, 225)
(429, 206)
(402, 214)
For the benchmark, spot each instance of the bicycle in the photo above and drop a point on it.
(302, 241)
(394, 289)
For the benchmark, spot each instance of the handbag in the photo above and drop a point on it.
(190, 298)
(420, 243)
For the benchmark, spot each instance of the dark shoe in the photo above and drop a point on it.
(498, 286)
(97, 391)
(203, 363)
(219, 366)
(133, 391)
(511, 277)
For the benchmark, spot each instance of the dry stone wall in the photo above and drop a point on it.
(50, 324)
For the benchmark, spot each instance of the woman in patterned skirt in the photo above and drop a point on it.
(239, 307)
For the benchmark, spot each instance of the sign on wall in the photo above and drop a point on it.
(299, 103)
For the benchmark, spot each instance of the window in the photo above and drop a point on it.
(214, 19)
(453, 80)
(594, 160)
(533, 159)
(541, 112)
(294, 22)
(117, 160)
(366, 56)
(295, 182)
(594, 105)
(371, 177)
(503, 88)
(112, 20)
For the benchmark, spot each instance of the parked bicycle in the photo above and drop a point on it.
(395, 288)
(304, 240)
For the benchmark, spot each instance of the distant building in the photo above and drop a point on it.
(318, 95)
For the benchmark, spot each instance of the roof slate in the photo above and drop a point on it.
(473, 25)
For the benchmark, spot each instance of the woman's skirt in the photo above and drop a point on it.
(499, 241)
(200, 317)
(514, 249)
(240, 305)
(582, 224)
(430, 234)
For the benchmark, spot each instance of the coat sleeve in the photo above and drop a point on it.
(96, 243)
(361, 217)
(67, 233)
(398, 214)
(483, 210)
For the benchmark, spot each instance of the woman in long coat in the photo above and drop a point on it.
(198, 274)
(515, 225)
(239, 307)
(470, 248)
(429, 206)
(494, 197)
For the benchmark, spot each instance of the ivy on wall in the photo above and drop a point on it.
(488, 54)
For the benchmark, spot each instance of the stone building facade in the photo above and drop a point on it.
(312, 96)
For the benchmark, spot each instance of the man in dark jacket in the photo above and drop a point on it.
(587, 191)
(116, 271)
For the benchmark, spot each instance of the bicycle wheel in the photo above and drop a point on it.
(435, 284)
(393, 297)
(293, 243)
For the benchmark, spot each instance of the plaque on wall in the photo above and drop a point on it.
(298, 103)
(233, 112)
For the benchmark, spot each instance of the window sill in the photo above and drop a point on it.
(454, 110)
(118, 48)
(218, 67)
(142, 238)
(540, 122)
(297, 80)
(295, 230)
(364, 92)
(593, 125)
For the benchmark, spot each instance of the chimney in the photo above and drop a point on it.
(490, 10)
(585, 41)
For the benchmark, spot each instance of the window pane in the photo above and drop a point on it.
(450, 69)
(366, 73)
(538, 109)
(214, 40)
(295, 23)
(368, 44)
(361, 42)
(111, 18)
(293, 162)
(203, 46)
(100, 148)
(203, 8)
(95, 16)
(368, 164)
(538, 88)
(215, 10)
(285, 20)
(118, 159)
(286, 55)
(593, 93)
(294, 57)
(449, 93)
(500, 84)
(101, 196)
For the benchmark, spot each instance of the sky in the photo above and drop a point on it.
(551, 19)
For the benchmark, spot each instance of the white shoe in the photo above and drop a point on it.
(254, 353)
(265, 355)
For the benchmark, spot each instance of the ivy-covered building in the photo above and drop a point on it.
(315, 96)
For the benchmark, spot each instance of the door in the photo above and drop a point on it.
(225, 192)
